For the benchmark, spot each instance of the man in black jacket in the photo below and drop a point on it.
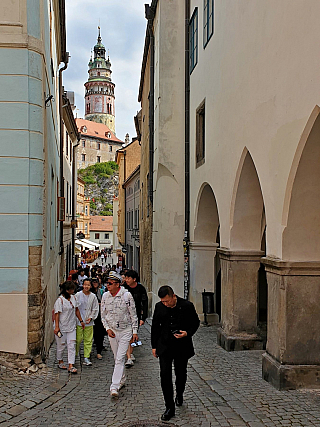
(174, 323)
(140, 297)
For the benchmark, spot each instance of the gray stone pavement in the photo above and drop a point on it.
(223, 389)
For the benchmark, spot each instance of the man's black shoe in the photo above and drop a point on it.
(169, 413)
(179, 400)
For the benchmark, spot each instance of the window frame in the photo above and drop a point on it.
(193, 40)
(200, 134)
(207, 31)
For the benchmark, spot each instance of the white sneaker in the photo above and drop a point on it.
(87, 362)
(132, 357)
(114, 393)
(129, 363)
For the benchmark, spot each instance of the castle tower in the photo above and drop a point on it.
(99, 97)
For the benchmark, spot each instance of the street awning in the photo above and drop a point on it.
(87, 244)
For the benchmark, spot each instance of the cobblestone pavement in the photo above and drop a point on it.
(223, 389)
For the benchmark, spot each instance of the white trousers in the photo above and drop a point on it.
(68, 338)
(119, 345)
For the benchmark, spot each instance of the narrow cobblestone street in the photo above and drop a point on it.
(223, 389)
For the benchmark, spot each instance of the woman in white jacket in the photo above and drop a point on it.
(89, 310)
(119, 318)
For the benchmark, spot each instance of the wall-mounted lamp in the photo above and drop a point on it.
(48, 99)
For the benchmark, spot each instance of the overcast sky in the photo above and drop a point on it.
(123, 27)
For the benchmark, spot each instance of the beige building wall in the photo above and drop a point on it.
(257, 192)
(168, 176)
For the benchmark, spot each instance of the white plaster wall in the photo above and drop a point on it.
(260, 76)
(168, 178)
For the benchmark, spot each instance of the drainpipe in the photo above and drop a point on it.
(66, 61)
(74, 206)
(187, 156)
(150, 13)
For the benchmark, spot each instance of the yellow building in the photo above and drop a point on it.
(83, 210)
(127, 158)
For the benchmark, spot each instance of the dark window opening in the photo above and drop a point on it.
(200, 134)
(193, 34)
(207, 21)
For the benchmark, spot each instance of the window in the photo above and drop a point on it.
(106, 235)
(207, 21)
(86, 228)
(110, 148)
(193, 34)
(200, 134)
(86, 210)
(83, 143)
(83, 157)
(97, 235)
(67, 145)
(98, 159)
(98, 146)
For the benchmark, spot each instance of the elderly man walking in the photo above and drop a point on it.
(174, 323)
(119, 318)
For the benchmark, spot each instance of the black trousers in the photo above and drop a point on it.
(98, 334)
(180, 369)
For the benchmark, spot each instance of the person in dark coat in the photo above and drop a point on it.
(140, 296)
(174, 323)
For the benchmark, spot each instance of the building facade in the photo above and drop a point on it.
(100, 90)
(128, 159)
(132, 193)
(83, 210)
(97, 144)
(251, 102)
(70, 140)
(32, 45)
(162, 172)
(101, 231)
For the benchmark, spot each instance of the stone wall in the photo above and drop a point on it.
(36, 302)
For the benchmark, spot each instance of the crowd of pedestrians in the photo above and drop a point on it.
(107, 301)
(96, 302)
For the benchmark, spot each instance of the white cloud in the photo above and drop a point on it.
(123, 27)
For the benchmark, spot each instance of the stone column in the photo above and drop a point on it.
(239, 300)
(292, 359)
(202, 275)
(36, 302)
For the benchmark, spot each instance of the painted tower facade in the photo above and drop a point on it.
(99, 97)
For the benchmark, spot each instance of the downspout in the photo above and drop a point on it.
(66, 61)
(74, 195)
(150, 13)
(187, 157)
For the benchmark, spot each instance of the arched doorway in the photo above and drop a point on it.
(203, 249)
(242, 294)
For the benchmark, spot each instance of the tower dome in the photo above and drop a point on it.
(99, 96)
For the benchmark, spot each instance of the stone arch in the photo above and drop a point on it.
(301, 213)
(203, 250)
(207, 216)
(247, 208)
(243, 277)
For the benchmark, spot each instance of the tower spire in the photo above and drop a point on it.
(99, 35)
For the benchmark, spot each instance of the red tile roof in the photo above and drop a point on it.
(98, 130)
(100, 223)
